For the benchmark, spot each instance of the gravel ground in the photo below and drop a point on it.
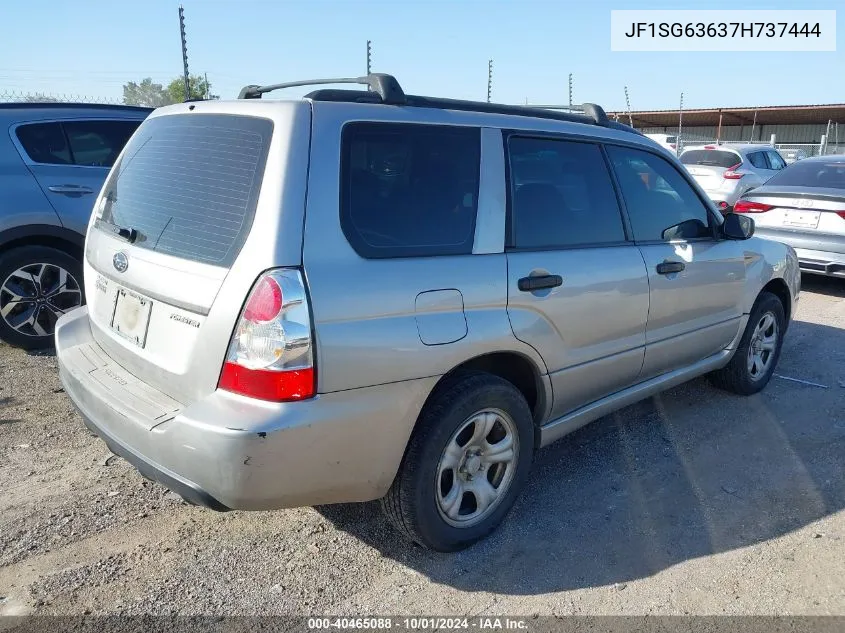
(693, 502)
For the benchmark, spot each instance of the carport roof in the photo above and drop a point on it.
(766, 115)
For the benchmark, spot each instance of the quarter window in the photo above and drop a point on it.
(44, 143)
(561, 195)
(661, 204)
(409, 189)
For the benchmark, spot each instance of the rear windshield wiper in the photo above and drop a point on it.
(125, 233)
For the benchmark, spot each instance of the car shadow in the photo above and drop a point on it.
(691, 472)
(830, 286)
(5, 402)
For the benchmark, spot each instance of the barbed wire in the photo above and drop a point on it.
(46, 97)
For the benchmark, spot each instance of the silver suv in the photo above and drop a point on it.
(365, 294)
(726, 172)
(54, 158)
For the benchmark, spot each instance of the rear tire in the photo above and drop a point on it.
(755, 359)
(37, 285)
(469, 456)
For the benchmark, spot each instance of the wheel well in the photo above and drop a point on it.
(66, 246)
(779, 288)
(511, 366)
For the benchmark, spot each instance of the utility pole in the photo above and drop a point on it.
(827, 135)
(680, 126)
(369, 56)
(489, 80)
(184, 52)
(570, 92)
(207, 90)
(628, 106)
(753, 125)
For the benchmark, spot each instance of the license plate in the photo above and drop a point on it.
(801, 219)
(131, 316)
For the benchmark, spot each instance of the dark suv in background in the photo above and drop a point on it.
(54, 158)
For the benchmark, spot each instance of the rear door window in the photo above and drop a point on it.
(189, 183)
(561, 195)
(98, 143)
(44, 143)
(409, 189)
(710, 158)
(758, 160)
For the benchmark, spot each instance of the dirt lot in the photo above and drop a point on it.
(693, 502)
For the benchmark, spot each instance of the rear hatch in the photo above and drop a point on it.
(708, 166)
(184, 224)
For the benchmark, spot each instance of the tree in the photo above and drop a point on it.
(199, 87)
(145, 93)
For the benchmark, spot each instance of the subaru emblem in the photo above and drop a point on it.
(120, 261)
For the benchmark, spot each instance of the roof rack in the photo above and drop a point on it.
(386, 90)
(385, 86)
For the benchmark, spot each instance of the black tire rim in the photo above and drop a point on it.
(34, 296)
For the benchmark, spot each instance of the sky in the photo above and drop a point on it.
(90, 48)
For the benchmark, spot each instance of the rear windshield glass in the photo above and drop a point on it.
(710, 158)
(188, 184)
(812, 173)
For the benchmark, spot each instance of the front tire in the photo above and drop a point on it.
(469, 456)
(37, 285)
(755, 359)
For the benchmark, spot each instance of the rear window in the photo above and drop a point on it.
(188, 184)
(409, 189)
(710, 158)
(811, 173)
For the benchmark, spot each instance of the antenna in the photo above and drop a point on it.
(489, 80)
(570, 92)
(628, 106)
(184, 52)
(369, 56)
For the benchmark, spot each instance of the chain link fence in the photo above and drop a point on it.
(44, 97)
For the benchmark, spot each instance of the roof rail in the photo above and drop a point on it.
(14, 105)
(385, 86)
(386, 90)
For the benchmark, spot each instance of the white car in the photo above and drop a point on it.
(726, 172)
(665, 140)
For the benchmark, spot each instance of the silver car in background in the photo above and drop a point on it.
(726, 172)
(804, 206)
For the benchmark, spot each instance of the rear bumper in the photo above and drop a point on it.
(230, 452)
(822, 254)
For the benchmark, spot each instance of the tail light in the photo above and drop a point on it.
(841, 214)
(731, 174)
(746, 206)
(270, 356)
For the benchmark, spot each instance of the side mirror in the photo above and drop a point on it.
(737, 226)
(686, 230)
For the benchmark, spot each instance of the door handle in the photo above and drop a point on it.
(539, 282)
(70, 189)
(666, 268)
